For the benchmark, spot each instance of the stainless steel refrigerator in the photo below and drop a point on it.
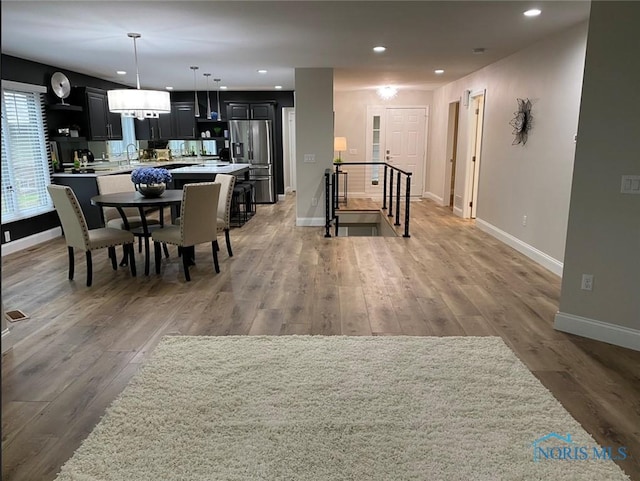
(252, 143)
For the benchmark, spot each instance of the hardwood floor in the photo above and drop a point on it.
(80, 346)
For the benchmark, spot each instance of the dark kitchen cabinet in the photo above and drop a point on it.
(184, 120)
(155, 129)
(250, 111)
(102, 124)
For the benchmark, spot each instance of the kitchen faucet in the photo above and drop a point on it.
(135, 149)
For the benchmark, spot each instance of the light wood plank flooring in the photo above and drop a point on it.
(80, 346)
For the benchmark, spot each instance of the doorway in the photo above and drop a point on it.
(452, 150)
(397, 135)
(476, 118)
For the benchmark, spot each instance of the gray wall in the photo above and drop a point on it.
(603, 236)
(314, 136)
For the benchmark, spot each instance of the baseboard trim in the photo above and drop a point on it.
(282, 197)
(531, 252)
(597, 330)
(310, 221)
(30, 241)
(7, 342)
(436, 198)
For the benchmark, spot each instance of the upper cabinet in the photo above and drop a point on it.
(102, 124)
(250, 111)
(155, 129)
(184, 120)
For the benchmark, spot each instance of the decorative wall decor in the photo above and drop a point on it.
(521, 123)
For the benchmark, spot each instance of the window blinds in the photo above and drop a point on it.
(26, 170)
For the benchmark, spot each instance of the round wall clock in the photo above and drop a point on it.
(522, 121)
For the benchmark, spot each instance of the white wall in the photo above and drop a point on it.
(314, 136)
(516, 180)
(603, 236)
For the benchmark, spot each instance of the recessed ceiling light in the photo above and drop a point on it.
(534, 12)
(379, 48)
(223, 87)
(262, 71)
(278, 87)
(479, 50)
(121, 72)
(387, 92)
(439, 71)
(169, 88)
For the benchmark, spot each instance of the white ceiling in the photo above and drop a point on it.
(232, 39)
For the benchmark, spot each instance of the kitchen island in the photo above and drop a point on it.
(85, 185)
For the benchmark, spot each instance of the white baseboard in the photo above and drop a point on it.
(598, 330)
(436, 198)
(7, 341)
(310, 221)
(32, 240)
(458, 211)
(531, 252)
(282, 197)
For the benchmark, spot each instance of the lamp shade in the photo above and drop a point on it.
(139, 103)
(340, 144)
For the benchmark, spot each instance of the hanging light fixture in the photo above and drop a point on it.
(138, 103)
(217, 81)
(208, 101)
(387, 92)
(195, 91)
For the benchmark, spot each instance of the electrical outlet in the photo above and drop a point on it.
(587, 282)
(7, 236)
(314, 201)
(524, 220)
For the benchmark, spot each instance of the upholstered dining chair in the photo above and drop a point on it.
(109, 184)
(78, 236)
(198, 224)
(226, 182)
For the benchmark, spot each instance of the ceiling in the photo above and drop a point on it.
(233, 39)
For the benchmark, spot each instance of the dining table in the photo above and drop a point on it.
(120, 200)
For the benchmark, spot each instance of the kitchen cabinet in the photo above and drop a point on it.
(155, 129)
(250, 111)
(102, 124)
(184, 120)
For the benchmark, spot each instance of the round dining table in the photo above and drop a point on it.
(120, 200)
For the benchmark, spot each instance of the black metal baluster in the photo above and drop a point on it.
(390, 214)
(384, 189)
(398, 202)
(406, 207)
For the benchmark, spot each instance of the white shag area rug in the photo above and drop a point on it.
(335, 408)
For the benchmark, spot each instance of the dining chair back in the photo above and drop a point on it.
(227, 183)
(78, 236)
(109, 184)
(198, 224)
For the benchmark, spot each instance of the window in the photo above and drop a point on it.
(117, 148)
(26, 170)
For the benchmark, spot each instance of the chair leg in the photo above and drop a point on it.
(228, 239)
(214, 248)
(157, 255)
(112, 256)
(89, 269)
(132, 259)
(139, 244)
(185, 266)
(166, 251)
(71, 262)
(125, 256)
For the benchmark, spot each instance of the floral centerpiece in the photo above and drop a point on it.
(150, 181)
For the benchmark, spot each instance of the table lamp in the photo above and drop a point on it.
(339, 145)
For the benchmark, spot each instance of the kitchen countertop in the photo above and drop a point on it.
(111, 168)
(209, 169)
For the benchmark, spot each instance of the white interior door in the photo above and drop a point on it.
(405, 145)
(478, 106)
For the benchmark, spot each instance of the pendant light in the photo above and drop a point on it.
(217, 81)
(138, 103)
(195, 91)
(208, 101)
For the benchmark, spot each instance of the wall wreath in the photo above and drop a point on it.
(522, 121)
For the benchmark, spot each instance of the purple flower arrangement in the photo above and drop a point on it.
(150, 175)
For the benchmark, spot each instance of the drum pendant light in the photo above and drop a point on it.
(138, 103)
(195, 91)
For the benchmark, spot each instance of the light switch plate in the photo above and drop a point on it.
(630, 184)
(309, 157)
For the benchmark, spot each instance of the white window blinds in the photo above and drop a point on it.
(25, 154)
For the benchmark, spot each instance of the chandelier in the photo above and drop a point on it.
(138, 103)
